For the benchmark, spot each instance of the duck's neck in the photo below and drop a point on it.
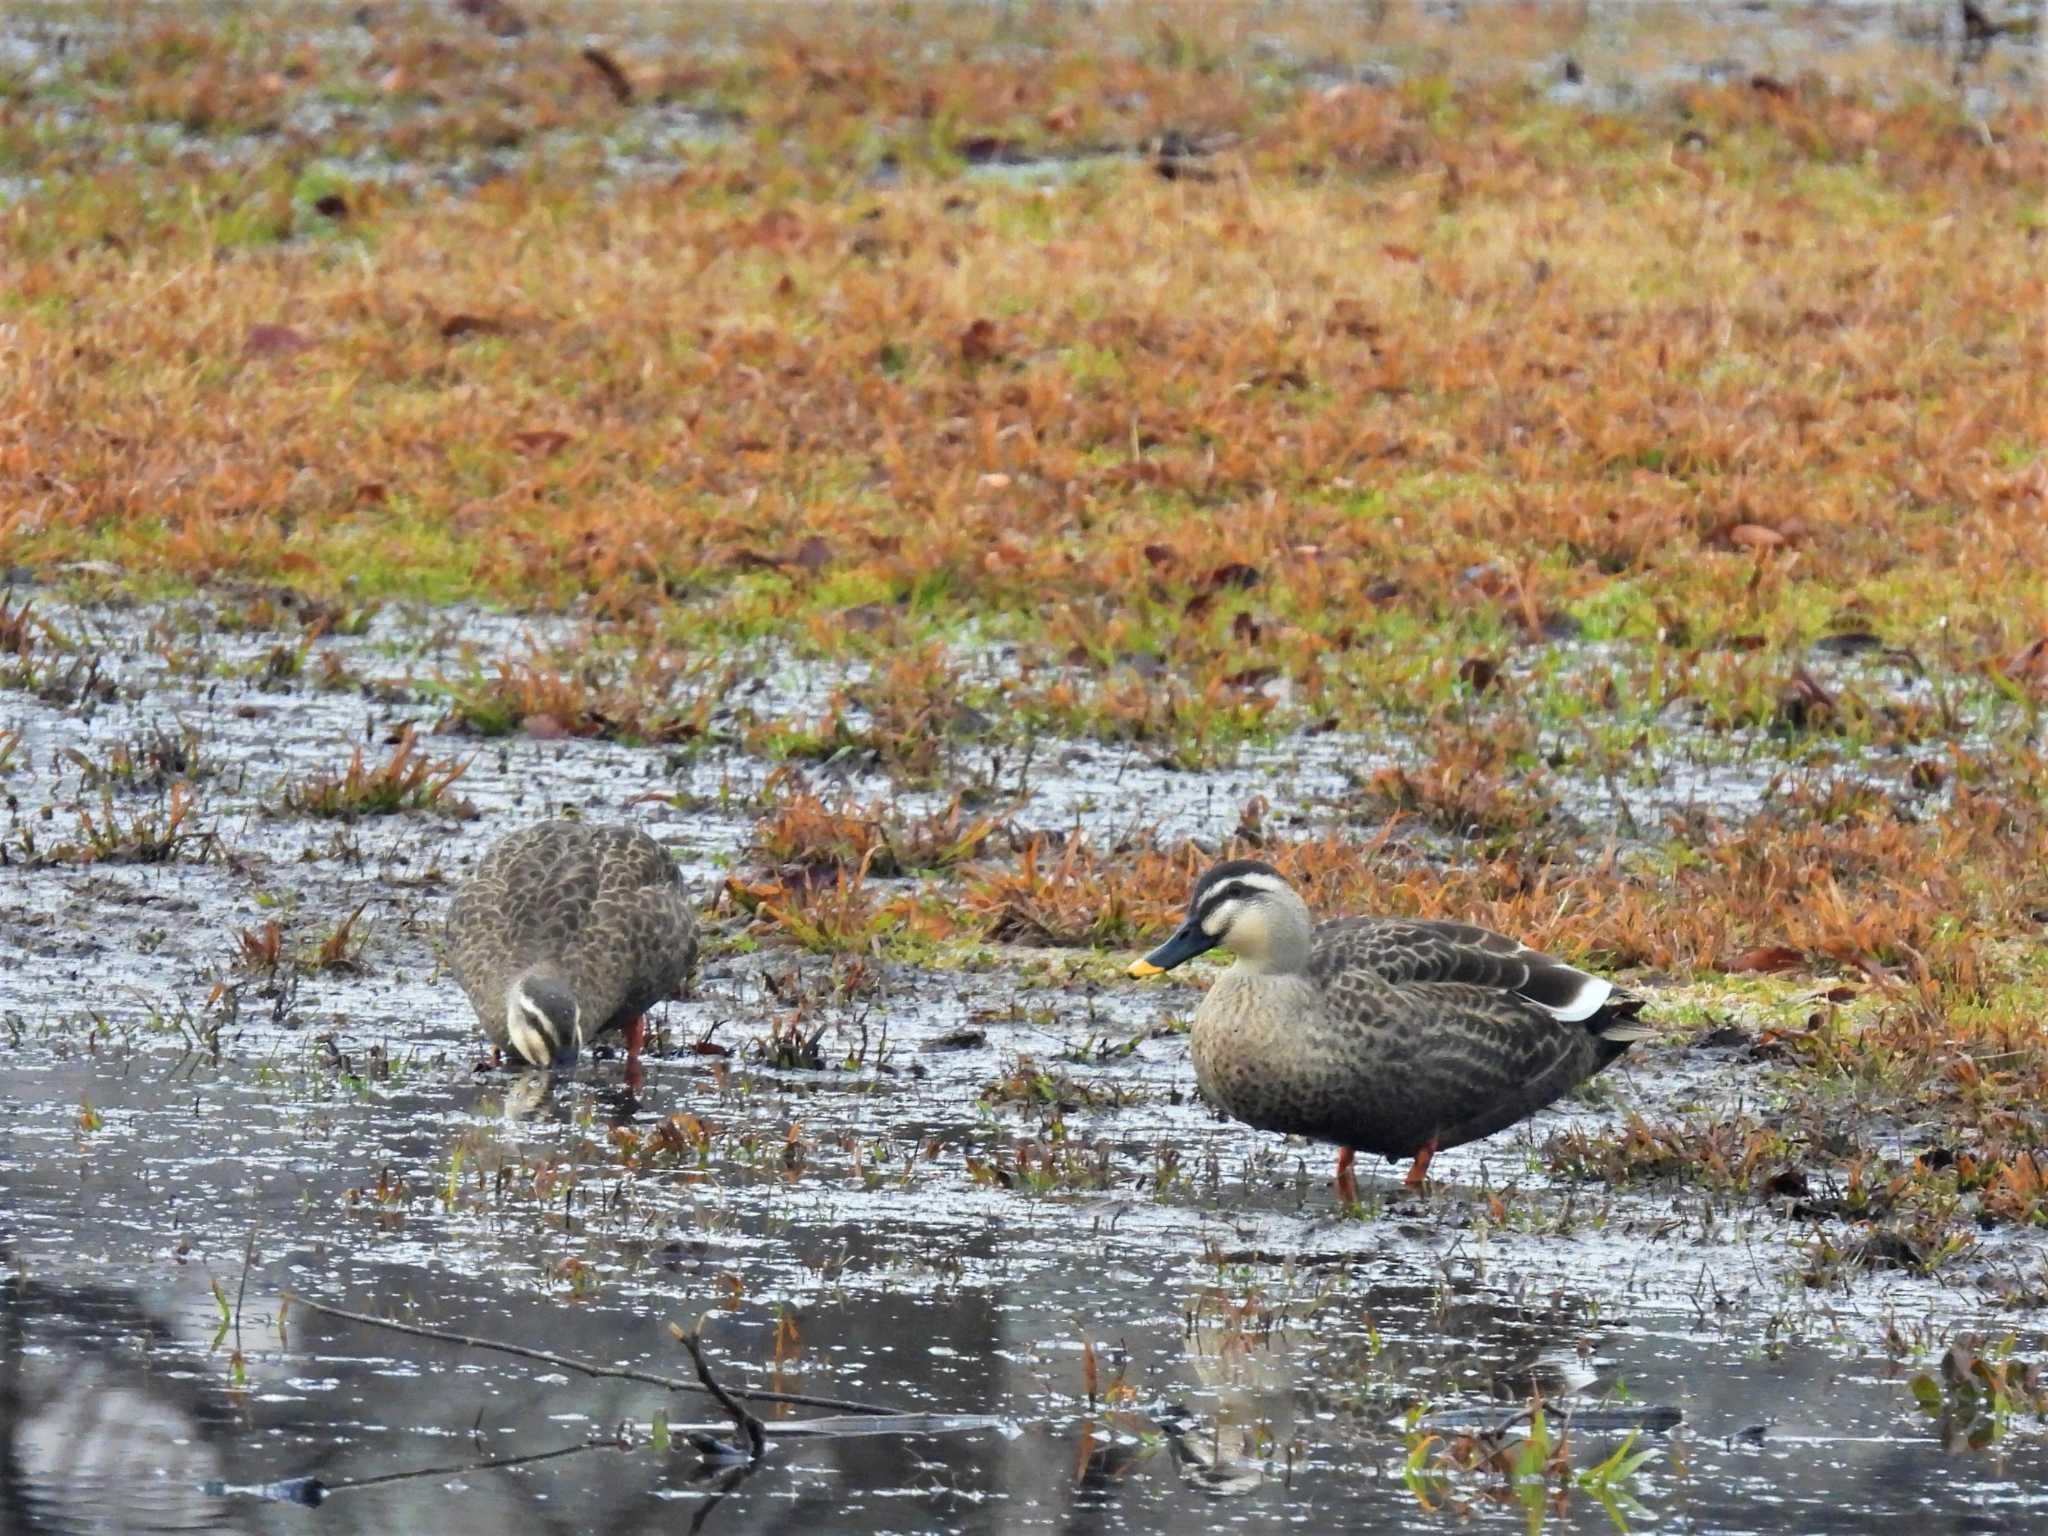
(1285, 956)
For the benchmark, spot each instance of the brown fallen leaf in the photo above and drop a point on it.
(275, 341)
(777, 227)
(1755, 536)
(1280, 378)
(1768, 957)
(1235, 574)
(1804, 700)
(499, 17)
(1479, 672)
(608, 71)
(1930, 773)
(2029, 664)
(541, 441)
(457, 326)
(978, 343)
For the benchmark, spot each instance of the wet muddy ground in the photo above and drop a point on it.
(990, 1193)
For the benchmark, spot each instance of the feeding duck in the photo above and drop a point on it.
(567, 930)
(1390, 1035)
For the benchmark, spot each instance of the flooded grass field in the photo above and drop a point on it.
(949, 473)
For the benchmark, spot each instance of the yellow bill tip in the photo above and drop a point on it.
(1145, 968)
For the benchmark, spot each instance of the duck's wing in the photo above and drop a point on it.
(548, 877)
(1492, 1059)
(1477, 964)
(527, 900)
(644, 930)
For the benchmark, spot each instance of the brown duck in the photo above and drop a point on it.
(567, 930)
(1396, 1036)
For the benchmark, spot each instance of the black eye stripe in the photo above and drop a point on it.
(1216, 898)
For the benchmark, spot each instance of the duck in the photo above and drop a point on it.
(568, 929)
(1393, 1036)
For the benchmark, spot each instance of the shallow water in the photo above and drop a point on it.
(170, 1168)
(127, 1409)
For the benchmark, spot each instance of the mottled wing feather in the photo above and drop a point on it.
(1455, 1031)
(1511, 1060)
(649, 934)
(1403, 951)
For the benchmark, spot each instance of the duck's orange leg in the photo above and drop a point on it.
(1347, 1181)
(636, 1036)
(1420, 1170)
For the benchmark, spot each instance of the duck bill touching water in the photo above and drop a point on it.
(1396, 1036)
(567, 930)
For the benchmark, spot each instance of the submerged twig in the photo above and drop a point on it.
(571, 1363)
(692, 1340)
(311, 1492)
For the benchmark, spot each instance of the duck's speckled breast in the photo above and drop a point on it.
(1268, 1052)
(1255, 1043)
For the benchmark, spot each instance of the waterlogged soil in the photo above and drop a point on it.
(991, 1195)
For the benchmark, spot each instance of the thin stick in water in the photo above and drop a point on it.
(571, 1363)
(692, 1340)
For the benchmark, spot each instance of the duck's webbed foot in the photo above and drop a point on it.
(1419, 1171)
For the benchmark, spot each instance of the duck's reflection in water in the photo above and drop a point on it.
(1353, 1362)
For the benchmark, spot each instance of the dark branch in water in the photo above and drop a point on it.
(692, 1340)
(582, 1367)
(488, 1464)
(311, 1492)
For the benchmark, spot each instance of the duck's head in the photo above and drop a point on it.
(1243, 906)
(541, 1021)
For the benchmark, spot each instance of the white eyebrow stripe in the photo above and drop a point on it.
(1228, 891)
(1261, 882)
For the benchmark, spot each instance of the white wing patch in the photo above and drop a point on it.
(1582, 1004)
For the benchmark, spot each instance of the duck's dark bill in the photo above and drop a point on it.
(1188, 942)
